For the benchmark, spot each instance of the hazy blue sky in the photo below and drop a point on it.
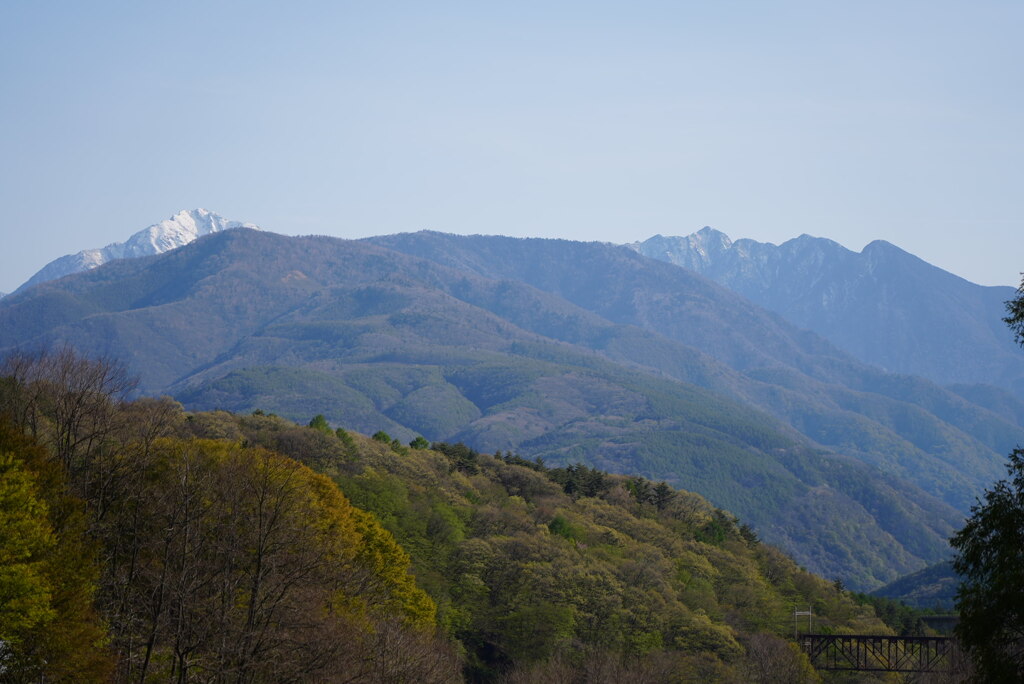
(851, 120)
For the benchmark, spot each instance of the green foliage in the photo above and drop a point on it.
(534, 632)
(461, 457)
(720, 528)
(902, 619)
(26, 536)
(305, 567)
(419, 443)
(563, 528)
(1015, 315)
(518, 563)
(578, 480)
(217, 556)
(662, 495)
(296, 393)
(515, 459)
(564, 351)
(438, 409)
(932, 588)
(605, 418)
(344, 437)
(48, 572)
(529, 565)
(748, 534)
(388, 564)
(990, 562)
(320, 423)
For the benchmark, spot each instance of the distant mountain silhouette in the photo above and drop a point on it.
(883, 305)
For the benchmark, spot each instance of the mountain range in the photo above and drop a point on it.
(563, 350)
(882, 305)
(178, 230)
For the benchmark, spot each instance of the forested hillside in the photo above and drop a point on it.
(573, 352)
(135, 552)
(214, 545)
(934, 587)
(905, 425)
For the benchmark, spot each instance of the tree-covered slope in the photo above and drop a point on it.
(933, 587)
(211, 546)
(545, 400)
(150, 554)
(534, 567)
(597, 368)
(942, 441)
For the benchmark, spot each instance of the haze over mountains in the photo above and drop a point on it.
(566, 350)
(883, 305)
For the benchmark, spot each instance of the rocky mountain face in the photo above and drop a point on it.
(180, 229)
(883, 305)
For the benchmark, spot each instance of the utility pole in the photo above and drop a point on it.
(797, 614)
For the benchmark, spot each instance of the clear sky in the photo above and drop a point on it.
(592, 120)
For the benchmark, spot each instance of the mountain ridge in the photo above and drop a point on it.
(884, 305)
(171, 233)
(376, 339)
(573, 352)
(771, 357)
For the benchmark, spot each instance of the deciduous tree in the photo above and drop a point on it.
(1015, 314)
(49, 629)
(65, 400)
(990, 563)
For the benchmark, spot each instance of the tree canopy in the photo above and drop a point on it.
(129, 547)
(145, 542)
(990, 561)
(1015, 314)
(48, 571)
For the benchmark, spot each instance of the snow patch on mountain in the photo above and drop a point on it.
(883, 305)
(177, 231)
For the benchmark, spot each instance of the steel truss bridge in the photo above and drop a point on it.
(881, 653)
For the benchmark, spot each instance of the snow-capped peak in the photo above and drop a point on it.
(177, 231)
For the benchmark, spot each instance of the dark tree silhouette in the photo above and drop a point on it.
(990, 563)
(1015, 314)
